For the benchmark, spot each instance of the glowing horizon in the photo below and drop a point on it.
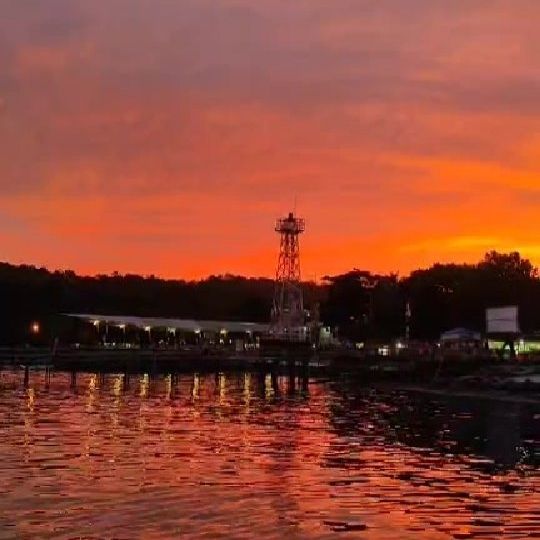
(164, 138)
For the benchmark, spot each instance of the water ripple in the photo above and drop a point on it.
(249, 456)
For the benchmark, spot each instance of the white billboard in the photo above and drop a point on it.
(503, 320)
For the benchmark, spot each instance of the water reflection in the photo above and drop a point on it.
(260, 455)
(505, 432)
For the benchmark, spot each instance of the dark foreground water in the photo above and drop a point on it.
(254, 457)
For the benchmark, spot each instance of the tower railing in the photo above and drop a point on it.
(290, 225)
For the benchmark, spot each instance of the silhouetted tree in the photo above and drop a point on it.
(35, 294)
(361, 304)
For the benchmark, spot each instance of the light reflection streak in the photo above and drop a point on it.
(115, 410)
(247, 392)
(196, 386)
(268, 387)
(222, 388)
(31, 399)
(29, 427)
(90, 399)
(144, 383)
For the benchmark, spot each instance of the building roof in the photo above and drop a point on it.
(188, 325)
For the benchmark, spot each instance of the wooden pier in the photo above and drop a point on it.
(126, 360)
(478, 372)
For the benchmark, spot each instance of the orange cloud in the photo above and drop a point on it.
(168, 142)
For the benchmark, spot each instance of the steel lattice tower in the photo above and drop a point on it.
(288, 308)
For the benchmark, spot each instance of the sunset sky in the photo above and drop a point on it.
(164, 137)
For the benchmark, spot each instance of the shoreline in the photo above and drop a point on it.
(467, 377)
(480, 393)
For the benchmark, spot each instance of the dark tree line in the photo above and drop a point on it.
(444, 296)
(360, 304)
(35, 294)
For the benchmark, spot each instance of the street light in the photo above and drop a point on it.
(148, 329)
(123, 327)
(35, 327)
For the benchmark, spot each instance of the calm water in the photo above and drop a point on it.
(249, 457)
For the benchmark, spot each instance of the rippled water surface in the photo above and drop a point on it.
(249, 456)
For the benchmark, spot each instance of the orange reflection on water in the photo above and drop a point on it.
(249, 455)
